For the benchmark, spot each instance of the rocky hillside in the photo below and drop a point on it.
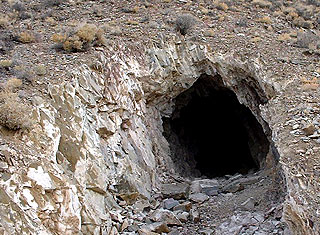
(86, 87)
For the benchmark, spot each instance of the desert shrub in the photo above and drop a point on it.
(184, 23)
(5, 64)
(23, 73)
(4, 21)
(14, 114)
(26, 37)
(81, 39)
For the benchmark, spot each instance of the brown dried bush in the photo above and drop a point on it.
(27, 37)
(4, 21)
(14, 114)
(81, 39)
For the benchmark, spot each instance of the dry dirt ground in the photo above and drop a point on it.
(286, 32)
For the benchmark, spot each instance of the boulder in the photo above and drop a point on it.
(175, 191)
(198, 197)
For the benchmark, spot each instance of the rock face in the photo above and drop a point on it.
(99, 136)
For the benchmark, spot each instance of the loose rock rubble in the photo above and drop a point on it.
(192, 208)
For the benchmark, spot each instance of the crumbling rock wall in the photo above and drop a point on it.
(100, 136)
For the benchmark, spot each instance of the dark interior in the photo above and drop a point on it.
(212, 134)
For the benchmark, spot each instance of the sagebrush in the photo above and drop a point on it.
(14, 114)
(81, 39)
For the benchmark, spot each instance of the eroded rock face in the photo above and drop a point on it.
(100, 135)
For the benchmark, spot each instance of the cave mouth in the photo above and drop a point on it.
(211, 134)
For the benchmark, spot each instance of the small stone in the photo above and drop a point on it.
(174, 232)
(208, 186)
(212, 192)
(116, 216)
(296, 126)
(248, 204)
(195, 215)
(233, 187)
(195, 187)
(3, 165)
(198, 197)
(309, 129)
(166, 216)
(133, 228)
(170, 203)
(183, 217)
(159, 227)
(185, 206)
(235, 177)
(262, 3)
(206, 231)
(154, 228)
(249, 180)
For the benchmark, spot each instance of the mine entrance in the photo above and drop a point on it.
(211, 134)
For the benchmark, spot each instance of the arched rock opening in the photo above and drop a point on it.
(210, 133)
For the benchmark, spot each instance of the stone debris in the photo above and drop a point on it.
(176, 191)
(195, 215)
(209, 187)
(154, 228)
(183, 216)
(248, 204)
(250, 223)
(198, 197)
(173, 216)
(185, 206)
(170, 203)
(232, 187)
(195, 187)
(206, 231)
(165, 215)
(309, 129)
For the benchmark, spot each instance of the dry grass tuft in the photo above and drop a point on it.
(82, 39)
(27, 37)
(5, 64)
(265, 20)
(4, 21)
(14, 114)
(222, 6)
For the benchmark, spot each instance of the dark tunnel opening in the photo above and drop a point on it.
(211, 134)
